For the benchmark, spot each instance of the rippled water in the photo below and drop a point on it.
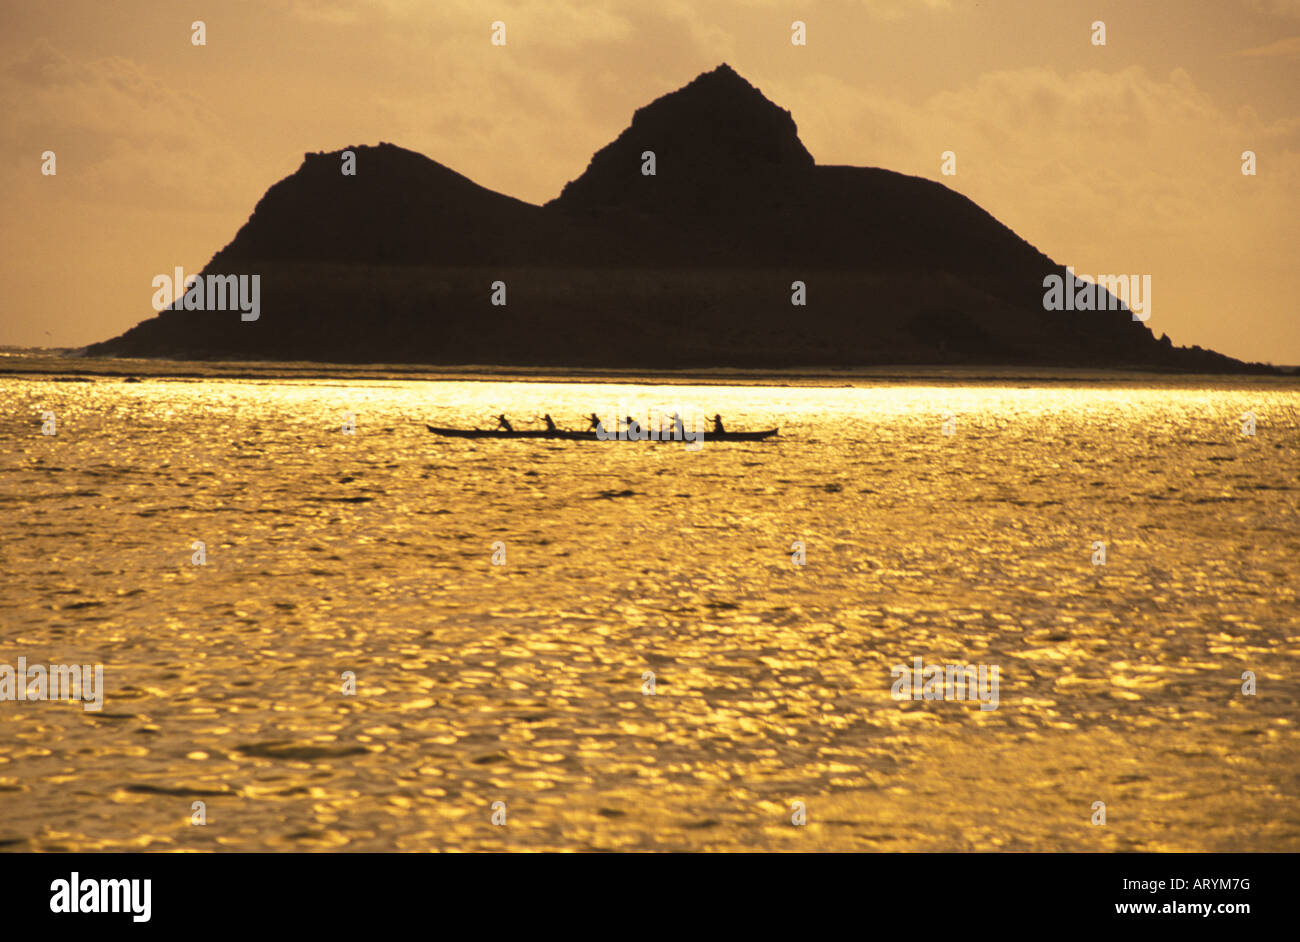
(523, 682)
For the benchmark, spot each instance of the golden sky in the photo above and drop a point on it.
(1123, 158)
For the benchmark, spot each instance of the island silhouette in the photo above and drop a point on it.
(695, 265)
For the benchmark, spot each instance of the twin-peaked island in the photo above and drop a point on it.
(693, 265)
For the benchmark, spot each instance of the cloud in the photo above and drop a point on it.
(1288, 48)
(898, 9)
(1283, 8)
(119, 131)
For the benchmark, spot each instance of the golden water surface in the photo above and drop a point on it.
(524, 682)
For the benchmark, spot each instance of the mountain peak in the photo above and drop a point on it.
(723, 73)
(714, 141)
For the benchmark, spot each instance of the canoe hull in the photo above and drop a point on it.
(543, 434)
(565, 435)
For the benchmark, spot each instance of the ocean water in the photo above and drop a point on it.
(950, 519)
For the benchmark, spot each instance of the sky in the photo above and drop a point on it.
(1122, 158)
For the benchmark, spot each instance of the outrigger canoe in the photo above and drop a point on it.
(589, 435)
